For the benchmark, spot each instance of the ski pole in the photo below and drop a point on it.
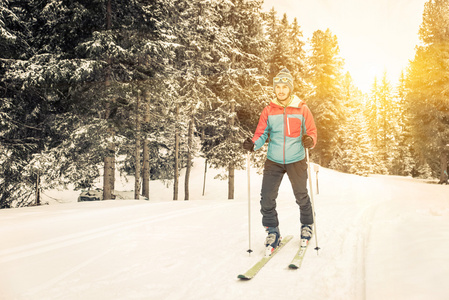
(249, 202)
(313, 204)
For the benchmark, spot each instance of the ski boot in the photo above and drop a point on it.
(306, 233)
(273, 239)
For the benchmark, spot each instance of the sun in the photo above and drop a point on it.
(374, 36)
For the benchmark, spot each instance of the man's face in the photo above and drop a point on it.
(282, 91)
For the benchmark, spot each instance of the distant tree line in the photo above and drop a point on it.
(143, 87)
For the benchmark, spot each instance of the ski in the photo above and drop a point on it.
(263, 261)
(298, 258)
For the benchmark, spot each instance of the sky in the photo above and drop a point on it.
(375, 36)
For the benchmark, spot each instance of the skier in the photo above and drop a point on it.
(289, 124)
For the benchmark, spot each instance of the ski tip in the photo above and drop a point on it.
(243, 277)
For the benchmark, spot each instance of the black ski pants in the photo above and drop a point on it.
(272, 177)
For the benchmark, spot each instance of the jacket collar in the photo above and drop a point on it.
(294, 102)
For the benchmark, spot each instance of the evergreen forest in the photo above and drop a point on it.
(91, 87)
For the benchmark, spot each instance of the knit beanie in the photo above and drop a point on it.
(284, 77)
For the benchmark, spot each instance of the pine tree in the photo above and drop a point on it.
(14, 32)
(373, 116)
(283, 51)
(427, 85)
(195, 71)
(299, 68)
(404, 163)
(272, 24)
(286, 50)
(387, 134)
(383, 114)
(237, 86)
(361, 154)
(38, 80)
(354, 150)
(325, 101)
(70, 52)
(372, 112)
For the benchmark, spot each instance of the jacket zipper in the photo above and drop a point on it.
(288, 128)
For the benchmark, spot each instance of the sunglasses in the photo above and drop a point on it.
(279, 79)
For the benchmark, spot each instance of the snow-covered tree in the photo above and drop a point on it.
(299, 67)
(77, 79)
(14, 32)
(403, 163)
(354, 151)
(385, 124)
(325, 75)
(197, 36)
(428, 90)
(286, 49)
(37, 82)
(238, 85)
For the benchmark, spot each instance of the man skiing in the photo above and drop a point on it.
(289, 124)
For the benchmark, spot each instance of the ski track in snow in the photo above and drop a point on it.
(14, 253)
(381, 237)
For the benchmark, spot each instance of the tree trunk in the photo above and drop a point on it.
(109, 160)
(137, 153)
(231, 181)
(189, 158)
(443, 161)
(38, 192)
(108, 176)
(231, 164)
(176, 175)
(205, 172)
(203, 133)
(146, 155)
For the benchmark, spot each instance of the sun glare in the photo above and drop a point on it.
(375, 36)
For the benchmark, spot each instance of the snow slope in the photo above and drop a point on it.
(380, 237)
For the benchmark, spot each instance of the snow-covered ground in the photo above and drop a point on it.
(380, 237)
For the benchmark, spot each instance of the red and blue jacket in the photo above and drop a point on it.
(285, 127)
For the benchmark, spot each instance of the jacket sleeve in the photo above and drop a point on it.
(261, 133)
(310, 125)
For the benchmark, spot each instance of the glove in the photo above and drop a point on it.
(248, 145)
(307, 141)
